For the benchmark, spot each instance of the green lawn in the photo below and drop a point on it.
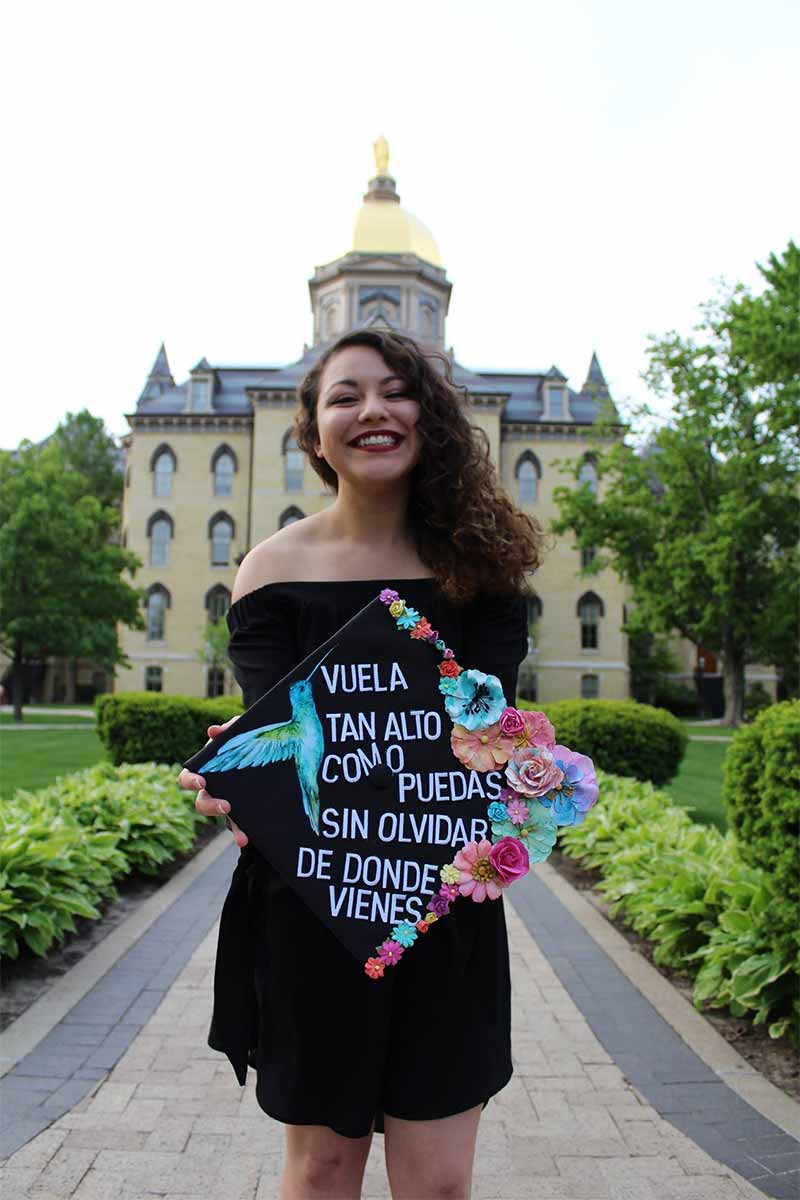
(698, 784)
(36, 718)
(31, 760)
(715, 731)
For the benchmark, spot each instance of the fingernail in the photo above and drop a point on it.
(222, 807)
(201, 781)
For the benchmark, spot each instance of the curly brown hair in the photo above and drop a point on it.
(466, 529)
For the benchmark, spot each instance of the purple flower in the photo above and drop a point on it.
(388, 596)
(449, 891)
(439, 906)
(577, 792)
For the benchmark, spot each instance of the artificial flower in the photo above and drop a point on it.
(397, 608)
(538, 834)
(447, 685)
(408, 618)
(433, 636)
(375, 967)
(481, 749)
(422, 629)
(537, 732)
(533, 771)
(577, 791)
(512, 722)
(388, 596)
(478, 877)
(510, 859)
(449, 891)
(405, 934)
(440, 644)
(448, 653)
(477, 701)
(390, 952)
(449, 668)
(430, 918)
(423, 926)
(497, 811)
(517, 812)
(450, 873)
(438, 906)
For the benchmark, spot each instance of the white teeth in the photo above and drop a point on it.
(377, 439)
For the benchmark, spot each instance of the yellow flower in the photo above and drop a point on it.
(397, 608)
(431, 917)
(450, 874)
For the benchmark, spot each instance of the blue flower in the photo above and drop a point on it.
(497, 811)
(405, 933)
(408, 619)
(477, 700)
(538, 834)
(440, 645)
(447, 685)
(577, 792)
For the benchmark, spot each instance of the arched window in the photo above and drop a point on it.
(160, 530)
(294, 461)
(588, 474)
(221, 531)
(588, 554)
(223, 464)
(290, 515)
(590, 687)
(528, 472)
(157, 601)
(163, 464)
(590, 610)
(218, 601)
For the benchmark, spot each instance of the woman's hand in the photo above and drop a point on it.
(205, 803)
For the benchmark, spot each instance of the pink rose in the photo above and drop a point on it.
(533, 771)
(512, 722)
(538, 730)
(509, 859)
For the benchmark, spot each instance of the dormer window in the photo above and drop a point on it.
(201, 393)
(556, 402)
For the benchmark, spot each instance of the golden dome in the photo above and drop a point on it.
(383, 226)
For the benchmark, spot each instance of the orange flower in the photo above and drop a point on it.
(449, 668)
(374, 967)
(422, 629)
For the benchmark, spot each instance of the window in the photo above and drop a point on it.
(215, 682)
(528, 473)
(223, 464)
(163, 464)
(290, 515)
(294, 461)
(153, 679)
(588, 474)
(556, 402)
(157, 601)
(528, 684)
(590, 687)
(220, 530)
(218, 601)
(590, 610)
(201, 394)
(588, 554)
(159, 530)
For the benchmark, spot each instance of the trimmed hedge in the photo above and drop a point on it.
(620, 736)
(685, 887)
(62, 848)
(762, 791)
(150, 727)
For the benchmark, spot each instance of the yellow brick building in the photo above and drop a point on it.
(212, 469)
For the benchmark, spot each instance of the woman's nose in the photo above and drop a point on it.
(373, 406)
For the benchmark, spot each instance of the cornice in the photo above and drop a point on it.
(266, 398)
(517, 431)
(485, 400)
(185, 422)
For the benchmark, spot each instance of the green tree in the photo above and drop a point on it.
(88, 448)
(63, 591)
(214, 651)
(703, 522)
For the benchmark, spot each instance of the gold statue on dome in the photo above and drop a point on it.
(381, 150)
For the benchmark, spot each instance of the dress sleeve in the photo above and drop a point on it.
(496, 639)
(263, 645)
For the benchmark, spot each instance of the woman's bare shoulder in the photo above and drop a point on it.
(280, 558)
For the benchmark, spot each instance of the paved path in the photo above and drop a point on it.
(36, 726)
(169, 1119)
(43, 710)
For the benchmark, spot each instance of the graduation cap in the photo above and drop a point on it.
(382, 785)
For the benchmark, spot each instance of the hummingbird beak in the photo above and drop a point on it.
(322, 660)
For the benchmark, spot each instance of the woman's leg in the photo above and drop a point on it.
(323, 1165)
(431, 1160)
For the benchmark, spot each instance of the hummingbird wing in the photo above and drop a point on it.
(258, 747)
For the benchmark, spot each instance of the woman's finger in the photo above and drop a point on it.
(189, 782)
(210, 806)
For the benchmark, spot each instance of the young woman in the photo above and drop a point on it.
(417, 507)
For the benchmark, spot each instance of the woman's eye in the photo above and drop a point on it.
(396, 396)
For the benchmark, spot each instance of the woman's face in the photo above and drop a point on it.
(366, 420)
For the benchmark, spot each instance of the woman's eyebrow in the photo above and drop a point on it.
(354, 382)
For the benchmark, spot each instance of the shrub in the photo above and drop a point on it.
(150, 727)
(154, 821)
(756, 700)
(678, 699)
(620, 736)
(686, 888)
(52, 870)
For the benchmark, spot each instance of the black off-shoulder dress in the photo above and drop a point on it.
(331, 1046)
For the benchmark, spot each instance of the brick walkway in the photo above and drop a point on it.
(170, 1120)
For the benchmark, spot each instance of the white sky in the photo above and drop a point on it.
(175, 170)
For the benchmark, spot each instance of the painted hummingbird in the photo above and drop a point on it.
(300, 738)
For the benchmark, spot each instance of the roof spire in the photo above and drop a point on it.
(595, 377)
(160, 378)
